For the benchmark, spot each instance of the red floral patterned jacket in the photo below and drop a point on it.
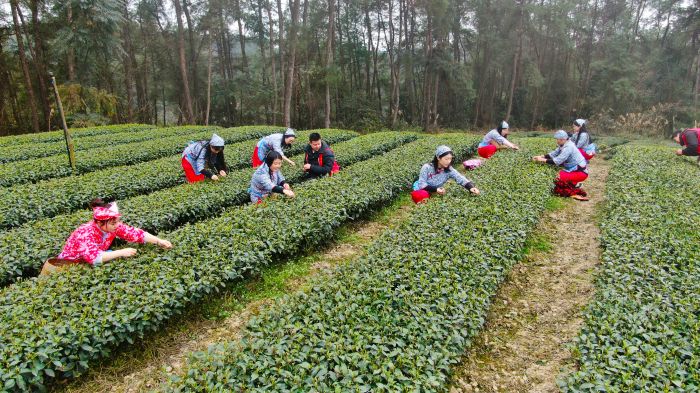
(89, 242)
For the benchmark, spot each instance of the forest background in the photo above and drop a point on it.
(630, 66)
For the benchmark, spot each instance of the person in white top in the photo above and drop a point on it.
(275, 142)
(494, 140)
(582, 139)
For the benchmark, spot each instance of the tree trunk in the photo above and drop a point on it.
(516, 60)
(206, 114)
(39, 62)
(282, 55)
(394, 63)
(188, 114)
(589, 50)
(25, 67)
(261, 43)
(11, 89)
(375, 72)
(413, 86)
(224, 59)
(370, 48)
(434, 111)
(289, 83)
(192, 60)
(341, 57)
(241, 37)
(696, 93)
(146, 115)
(535, 109)
(637, 19)
(128, 72)
(329, 60)
(428, 69)
(303, 66)
(273, 60)
(71, 50)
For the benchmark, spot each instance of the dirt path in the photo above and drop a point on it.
(538, 309)
(147, 365)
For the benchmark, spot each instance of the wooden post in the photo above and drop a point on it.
(66, 133)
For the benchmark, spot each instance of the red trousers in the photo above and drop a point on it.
(574, 177)
(586, 155)
(565, 184)
(419, 196)
(487, 151)
(189, 172)
(256, 161)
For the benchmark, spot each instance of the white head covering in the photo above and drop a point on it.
(561, 134)
(441, 150)
(216, 141)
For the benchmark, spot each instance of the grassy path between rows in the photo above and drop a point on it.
(537, 311)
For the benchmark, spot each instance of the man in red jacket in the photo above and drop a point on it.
(688, 138)
(319, 159)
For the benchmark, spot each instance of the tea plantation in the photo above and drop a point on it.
(642, 331)
(397, 318)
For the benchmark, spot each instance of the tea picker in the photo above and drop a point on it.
(275, 142)
(435, 174)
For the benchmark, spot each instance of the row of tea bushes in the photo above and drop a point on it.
(24, 249)
(54, 327)
(397, 319)
(57, 136)
(28, 202)
(641, 332)
(135, 134)
(105, 157)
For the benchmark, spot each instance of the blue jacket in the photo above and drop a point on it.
(569, 157)
(493, 135)
(263, 183)
(270, 142)
(430, 180)
(197, 153)
(582, 141)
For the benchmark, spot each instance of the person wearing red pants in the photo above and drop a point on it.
(435, 174)
(582, 139)
(494, 140)
(575, 167)
(277, 142)
(204, 159)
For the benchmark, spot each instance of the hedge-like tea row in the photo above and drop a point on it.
(56, 136)
(171, 208)
(127, 154)
(23, 250)
(641, 332)
(138, 134)
(397, 319)
(57, 325)
(28, 202)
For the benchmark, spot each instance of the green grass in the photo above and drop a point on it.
(556, 203)
(542, 242)
(271, 283)
(538, 243)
